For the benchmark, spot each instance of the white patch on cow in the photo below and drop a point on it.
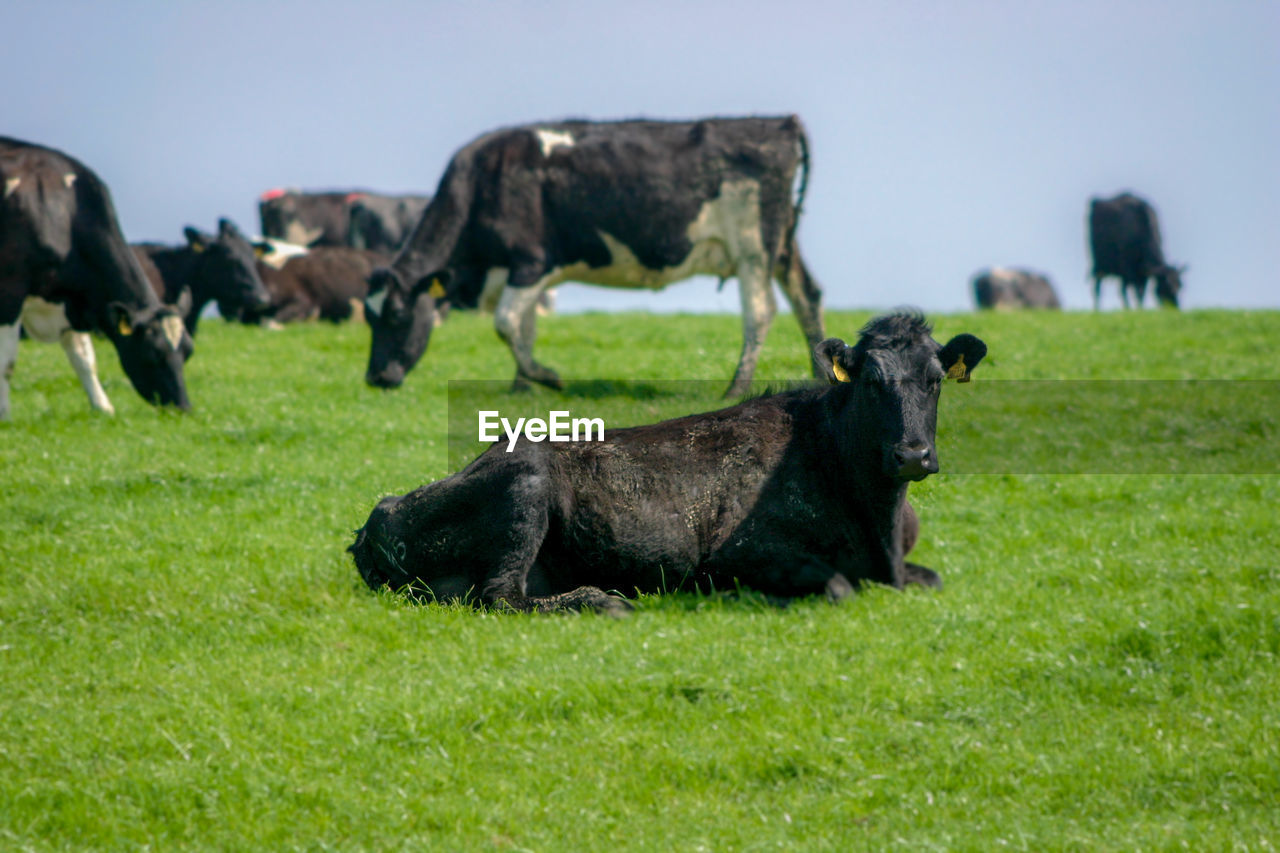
(725, 233)
(280, 252)
(11, 184)
(494, 282)
(172, 327)
(550, 140)
(44, 321)
(301, 235)
(374, 302)
(69, 178)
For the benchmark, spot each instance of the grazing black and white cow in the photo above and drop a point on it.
(381, 223)
(218, 268)
(1124, 236)
(356, 218)
(1002, 288)
(66, 270)
(327, 283)
(622, 204)
(796, 493)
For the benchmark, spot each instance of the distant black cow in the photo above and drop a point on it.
(327, 283)
(623, 204)
(1002, 288)
(66, 270)
(382, 222)
(796, 493)
(218, 268)
(1124, 236)
(356, 218)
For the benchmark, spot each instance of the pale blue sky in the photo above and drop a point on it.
(946, 136)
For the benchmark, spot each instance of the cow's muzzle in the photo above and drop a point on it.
(915, 462)
(391, 376)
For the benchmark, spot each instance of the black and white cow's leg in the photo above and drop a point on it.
(10, 333)
(755, 287)
(515, 319)
(47, 321)
(805, 297)
(79, 349)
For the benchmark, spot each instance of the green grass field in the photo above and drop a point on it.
(188, 659)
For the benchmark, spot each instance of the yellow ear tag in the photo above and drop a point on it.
(197, 247)
(125, 328)
(842, 375)
(436, 291)
(958, 371)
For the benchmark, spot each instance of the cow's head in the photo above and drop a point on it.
(401, 317)
(226, 269)
(888, 406)
(153, 345)
(1169, 284)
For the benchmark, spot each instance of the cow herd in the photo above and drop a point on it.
(793, 493)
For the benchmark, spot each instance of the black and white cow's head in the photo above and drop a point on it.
(225, 269)
(889, 413)
(153, 345)
(401, 317)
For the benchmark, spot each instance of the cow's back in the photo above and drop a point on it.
(38, 208)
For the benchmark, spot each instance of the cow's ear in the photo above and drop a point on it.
(961, 355)
(261, 250)
(183, 304)
(195, 240)
(121, 318)
(835, 357)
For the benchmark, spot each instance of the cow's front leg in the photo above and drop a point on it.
(582, 598)
(758, 308)
(79, 350)
(515, 320)
(913, 573)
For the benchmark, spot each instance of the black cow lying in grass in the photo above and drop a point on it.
(791, 494)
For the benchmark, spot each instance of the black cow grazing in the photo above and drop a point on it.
(1004, 289)
(791, 494)
(218, 268)
(1124, 236)
(327, 283)
(382, 222)
(66, 270)
(356, 218)
(622, 204)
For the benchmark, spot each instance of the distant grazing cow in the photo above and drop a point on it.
(380, 222)
(66, 270)
(796, 493)
(1002, 288)
(623, 204)
(1124, 236)
(327, 282)
(221, 268)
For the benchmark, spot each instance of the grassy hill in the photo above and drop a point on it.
(189, 659)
